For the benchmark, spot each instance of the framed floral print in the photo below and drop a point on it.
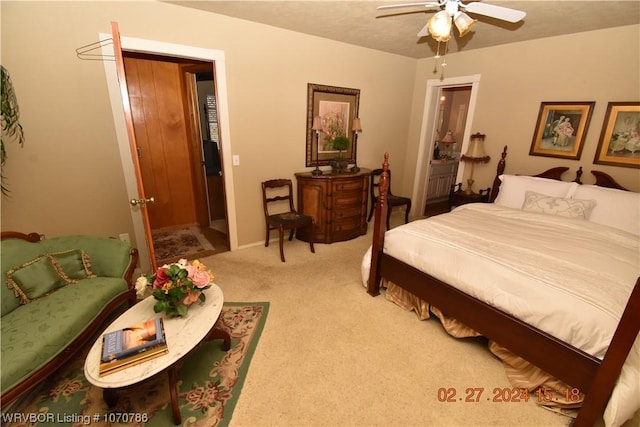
(619, 143)
(561, 129)
(336, 107)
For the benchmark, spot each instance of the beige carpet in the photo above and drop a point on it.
(331, 355)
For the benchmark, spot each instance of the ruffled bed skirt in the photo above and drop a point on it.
(521, 373)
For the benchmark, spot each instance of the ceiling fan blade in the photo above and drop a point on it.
(422, 3)
(424, 32)
(499, 12)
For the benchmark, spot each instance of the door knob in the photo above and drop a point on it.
(141, 202)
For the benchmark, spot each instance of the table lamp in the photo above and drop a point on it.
(475, 154)
(357, 128)
(317, 127)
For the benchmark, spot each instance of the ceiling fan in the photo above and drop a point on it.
(440, 24)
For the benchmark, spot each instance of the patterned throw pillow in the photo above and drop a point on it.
(571, 208)
(72, 265)
(46, 273)
(34, 279)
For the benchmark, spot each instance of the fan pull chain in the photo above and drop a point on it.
(444, 58)
(444, 55)
(435, 64)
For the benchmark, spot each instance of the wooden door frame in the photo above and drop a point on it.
(429, 118)
(217, 57)
(188, 72)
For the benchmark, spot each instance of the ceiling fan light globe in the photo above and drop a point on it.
(464, 23)
(440, 26)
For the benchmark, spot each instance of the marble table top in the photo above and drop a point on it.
(182, 334)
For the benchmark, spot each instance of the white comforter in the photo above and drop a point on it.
(568, 277)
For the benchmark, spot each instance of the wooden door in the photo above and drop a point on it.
(211, 197)
(158, 109)
(142, 201)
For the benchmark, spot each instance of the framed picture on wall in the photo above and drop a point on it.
(561, 129)
(619, 143)
(336, 107)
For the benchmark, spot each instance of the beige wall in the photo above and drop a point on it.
(68, 177)
(601, 66)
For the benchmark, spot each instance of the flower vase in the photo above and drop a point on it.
(339, 165)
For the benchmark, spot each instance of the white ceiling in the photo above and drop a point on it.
(395, 30)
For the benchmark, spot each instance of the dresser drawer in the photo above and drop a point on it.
(347, 185)
(346, 224)
(347, 199)
(347, 212)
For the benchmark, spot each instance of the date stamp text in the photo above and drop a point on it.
(503, 395)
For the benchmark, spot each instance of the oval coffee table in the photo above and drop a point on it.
(183, 334)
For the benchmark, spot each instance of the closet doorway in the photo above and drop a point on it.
(180, 168)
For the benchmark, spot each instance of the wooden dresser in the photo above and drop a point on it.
(337, 203)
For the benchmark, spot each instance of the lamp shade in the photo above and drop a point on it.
(440, 26)
(475, 151)
(317, 123)
(357, 126)
(448, 138)
(464, 23)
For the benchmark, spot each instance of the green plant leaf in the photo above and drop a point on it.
(9, 119)
(341, 143)
(160, 306)
(182, 309)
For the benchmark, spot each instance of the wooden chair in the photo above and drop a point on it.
(281, 190)
(391, 199)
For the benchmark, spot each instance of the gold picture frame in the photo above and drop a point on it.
(619, 143)
(561, 129)
(337, 107)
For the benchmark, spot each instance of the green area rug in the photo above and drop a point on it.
(210, 381)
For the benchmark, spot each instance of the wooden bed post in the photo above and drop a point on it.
(379, 228)
(499, 171)
(578, 175)
(597, 396)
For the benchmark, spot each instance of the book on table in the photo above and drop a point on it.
(132, 345)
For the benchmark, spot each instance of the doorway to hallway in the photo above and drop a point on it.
(174, 153)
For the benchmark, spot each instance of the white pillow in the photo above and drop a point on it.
(570, 208)
(514, 187)
(616, 208)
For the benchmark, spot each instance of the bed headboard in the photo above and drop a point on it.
(605, 180)
(553, 173)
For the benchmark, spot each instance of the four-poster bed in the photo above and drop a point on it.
(594, 372)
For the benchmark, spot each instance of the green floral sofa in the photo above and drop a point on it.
(56, 294)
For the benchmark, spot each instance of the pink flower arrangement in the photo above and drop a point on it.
(176, 286)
